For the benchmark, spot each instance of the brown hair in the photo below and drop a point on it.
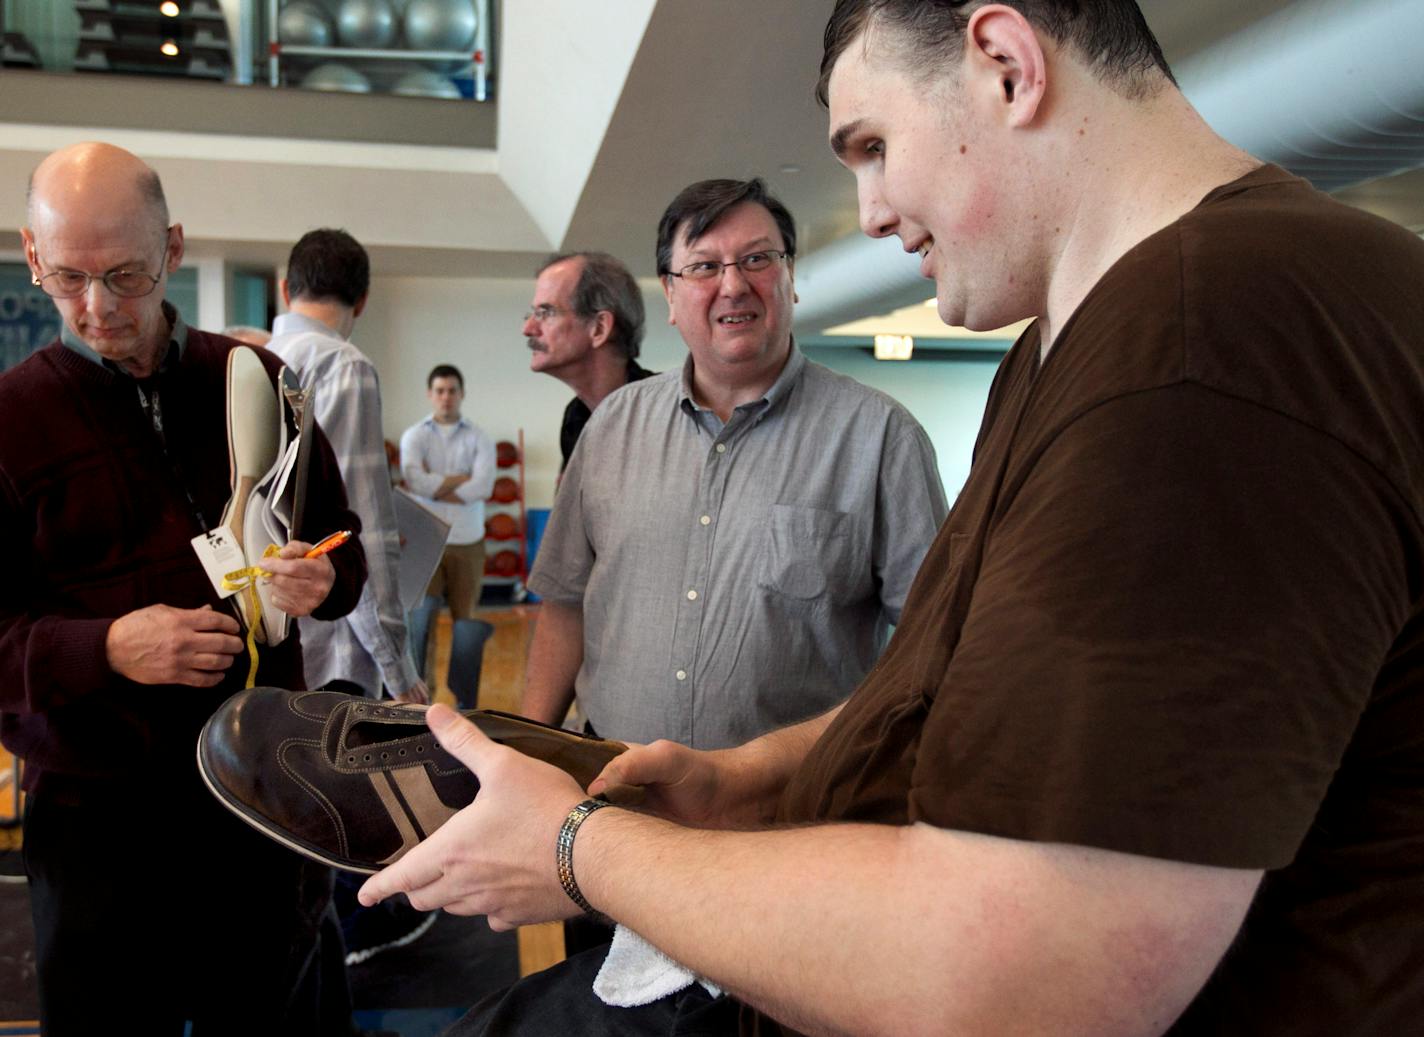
(1111, 36)
(699, 206)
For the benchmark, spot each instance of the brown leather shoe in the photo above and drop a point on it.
(355, 783)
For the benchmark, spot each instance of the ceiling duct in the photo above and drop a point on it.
(1332, 91)
(856, 277)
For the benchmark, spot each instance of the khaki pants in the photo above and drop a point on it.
(459, 578)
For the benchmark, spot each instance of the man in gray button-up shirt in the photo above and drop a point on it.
(732, 541)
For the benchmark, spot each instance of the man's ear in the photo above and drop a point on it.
(355, 310)
(602, 328)
(31, 259)
(286, 293)
(175, 247)
(667, 294)
(1001, 49)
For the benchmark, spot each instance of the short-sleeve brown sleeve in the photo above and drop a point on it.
(1180, 614)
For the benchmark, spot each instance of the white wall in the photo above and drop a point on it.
(412, 324)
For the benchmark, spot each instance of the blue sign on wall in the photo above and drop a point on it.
(28, 320)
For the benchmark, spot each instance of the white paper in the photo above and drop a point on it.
(282, 501)
(423, 534)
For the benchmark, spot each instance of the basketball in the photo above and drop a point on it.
(502, 527)
(503, 563)
(505, 490)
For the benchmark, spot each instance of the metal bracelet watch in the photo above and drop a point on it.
(564, 849)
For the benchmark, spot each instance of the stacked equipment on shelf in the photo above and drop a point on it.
(506, 528)
(133, 36)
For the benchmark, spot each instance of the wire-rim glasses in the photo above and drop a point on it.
(124, 282)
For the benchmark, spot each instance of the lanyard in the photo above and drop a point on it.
(153, 407)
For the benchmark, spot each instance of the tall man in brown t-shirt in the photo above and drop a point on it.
(1145, 752)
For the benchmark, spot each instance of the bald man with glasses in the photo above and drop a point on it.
(149, 901)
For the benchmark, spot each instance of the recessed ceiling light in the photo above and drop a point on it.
(790, 167)
(169, 8)
(169, 49)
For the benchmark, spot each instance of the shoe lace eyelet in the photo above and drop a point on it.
(400, 752)
(420, 748)
(367, 758)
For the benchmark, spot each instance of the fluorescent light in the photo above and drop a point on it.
(920, 319)
(894, 347)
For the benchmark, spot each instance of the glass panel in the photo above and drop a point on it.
(28, 320)
(40, 34)
(419, 48)
(183, 294)
(253, 299)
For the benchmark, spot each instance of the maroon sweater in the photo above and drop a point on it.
(96, 523)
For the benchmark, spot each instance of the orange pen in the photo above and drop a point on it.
(330, 543)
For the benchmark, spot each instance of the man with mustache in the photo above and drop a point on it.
(584, 327)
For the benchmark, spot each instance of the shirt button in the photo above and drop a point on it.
(721, 448)
(706, 520)
(691, 595)
(681, 675)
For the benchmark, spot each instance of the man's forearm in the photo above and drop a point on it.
(378, 621)
(48, 661)
(555, 655)
(449, 484)
(879, 929)
(763, 766)
(780, 922)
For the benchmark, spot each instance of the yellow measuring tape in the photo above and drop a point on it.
(245, 580)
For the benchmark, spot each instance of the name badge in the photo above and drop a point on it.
(220, 554)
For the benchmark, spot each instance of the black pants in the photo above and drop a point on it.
(152, 905)
(560, 1000)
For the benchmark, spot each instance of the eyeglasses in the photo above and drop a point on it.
(543, 313)
(751, 263)
(125, 283)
